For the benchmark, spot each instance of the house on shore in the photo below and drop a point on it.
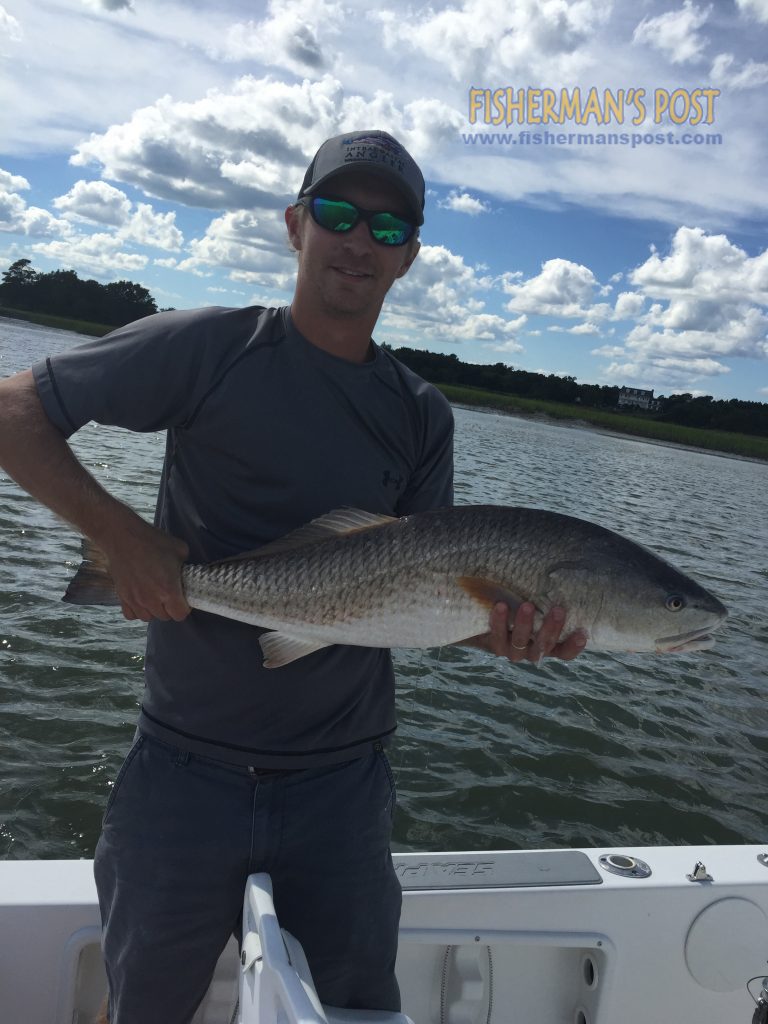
(637, 398)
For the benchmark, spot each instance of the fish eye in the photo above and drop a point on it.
(675, 603)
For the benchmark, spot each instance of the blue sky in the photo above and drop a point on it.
(160, 142)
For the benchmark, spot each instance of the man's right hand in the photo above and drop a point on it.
(145, 564)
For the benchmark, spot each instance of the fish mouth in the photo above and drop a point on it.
(695, 640)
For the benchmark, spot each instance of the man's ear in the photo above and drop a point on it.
(293, 222)
(406, 264)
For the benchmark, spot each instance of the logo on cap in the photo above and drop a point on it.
(374, 150)
(382, 141)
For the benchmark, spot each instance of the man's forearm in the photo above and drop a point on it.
(145, 562)
(40, 460)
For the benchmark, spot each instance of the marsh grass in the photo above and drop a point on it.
(61, 322)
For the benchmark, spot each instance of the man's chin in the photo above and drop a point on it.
(352, 302)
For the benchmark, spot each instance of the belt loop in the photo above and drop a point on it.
(182, 757)
(378, 746)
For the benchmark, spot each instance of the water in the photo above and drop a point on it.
(608, 750)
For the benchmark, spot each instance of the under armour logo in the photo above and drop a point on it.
(388, 478)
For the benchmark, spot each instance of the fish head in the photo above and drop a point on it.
(637, 602)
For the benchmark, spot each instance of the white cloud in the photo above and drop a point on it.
(750, 76)
(147, 227)
(709, 303)
(610, 351)
(17, 218)
(755, 8)
(670, 369)
(12, 182)
(588, 327)
(667, 380)
(98, 254)
(675, 33)
(540, 39)
(563, 288)
(297, 35)
(707, 266)
(95, 201)
(463, 202)
(440, 299)
(53, 97)
(224, 151)
(250, 244)
(109, 5)
(628, 305)
(10, 27)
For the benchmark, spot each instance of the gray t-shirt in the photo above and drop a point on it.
(265, 431)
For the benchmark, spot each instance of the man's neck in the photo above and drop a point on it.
(346, 338)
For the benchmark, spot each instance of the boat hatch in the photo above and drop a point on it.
(526, 868)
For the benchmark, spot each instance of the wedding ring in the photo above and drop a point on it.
(518, 647)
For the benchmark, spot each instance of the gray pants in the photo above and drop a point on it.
(182, 833)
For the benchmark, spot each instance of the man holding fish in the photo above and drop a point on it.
(274, 417)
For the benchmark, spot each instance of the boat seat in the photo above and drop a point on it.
(275, 981)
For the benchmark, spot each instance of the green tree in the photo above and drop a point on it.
(18, 281)
(128, 301)
(62, 293)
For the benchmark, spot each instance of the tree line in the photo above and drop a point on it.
(63, 293)
(704, 411)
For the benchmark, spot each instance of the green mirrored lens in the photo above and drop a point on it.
(390, 230)
(336, 216)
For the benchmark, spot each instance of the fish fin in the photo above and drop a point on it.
(282, 648)
(338, 523)
(92, 583)
(489, 592)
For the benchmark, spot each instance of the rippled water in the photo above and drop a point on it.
(608, 750)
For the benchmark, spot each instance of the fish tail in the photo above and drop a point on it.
(92, 583)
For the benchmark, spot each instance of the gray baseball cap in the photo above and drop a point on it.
(372, 151)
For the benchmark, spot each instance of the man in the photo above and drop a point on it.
(272, 417)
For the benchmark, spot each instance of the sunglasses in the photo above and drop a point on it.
(341, 216)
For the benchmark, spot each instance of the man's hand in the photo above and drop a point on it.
(145, 564)
(515, 639)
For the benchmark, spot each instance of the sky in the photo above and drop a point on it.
(596, 170)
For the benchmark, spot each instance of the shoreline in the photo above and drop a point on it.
(580, 424)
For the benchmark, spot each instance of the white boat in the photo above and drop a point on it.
(656, 935)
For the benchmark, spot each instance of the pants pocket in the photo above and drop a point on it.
(137, 745)
(390, 780)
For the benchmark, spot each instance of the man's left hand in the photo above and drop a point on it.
(515, 638)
